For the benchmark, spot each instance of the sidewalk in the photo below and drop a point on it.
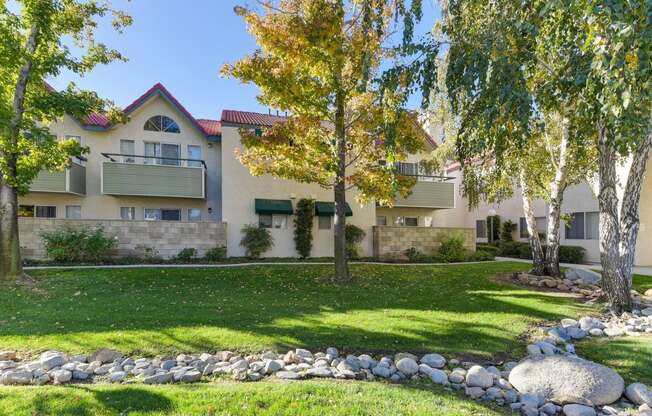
(644, 270)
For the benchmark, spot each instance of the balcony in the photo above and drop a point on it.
(430, 191)
(153, 176)
(72, 180)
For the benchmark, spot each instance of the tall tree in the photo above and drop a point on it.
(321, 61)
(33, 36)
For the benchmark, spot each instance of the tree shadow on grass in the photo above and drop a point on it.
(384, 309)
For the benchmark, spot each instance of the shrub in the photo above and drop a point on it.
(186, 255)
(148, 254)
(303, 219)
(510, 248)
(480, 255)
(72, 245)
(215, 254)
(452, 249)
(507, 230)
(572, 254)
(256, 240)
(525, 251)
(413, 254)
(354, 236)
(490, 248)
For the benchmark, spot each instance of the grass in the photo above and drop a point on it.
(260, 399)
(642, 283)
(448, 309)
(631, 357)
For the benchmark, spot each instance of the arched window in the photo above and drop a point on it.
(162, 123)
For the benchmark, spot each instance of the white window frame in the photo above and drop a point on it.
(195, 219)
(160, 216)
(195, 164)
(73, 217)
(128, 159)
(132, 212)
(384, 217)
(156, 159)
(322, 226)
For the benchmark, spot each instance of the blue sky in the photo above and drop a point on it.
(181, 44)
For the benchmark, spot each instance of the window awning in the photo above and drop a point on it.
(274, 206)
(324, 209)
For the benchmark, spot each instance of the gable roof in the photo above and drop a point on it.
(250, 118)
(209, 128)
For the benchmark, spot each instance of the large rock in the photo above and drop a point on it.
(407, 366)
(106, 355)
(578, 410)
(479, 377)
(587, 276)
(433, 360)
(52, 359)
(639, 393)
(567, 379)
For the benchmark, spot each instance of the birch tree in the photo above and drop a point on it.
(33, 36)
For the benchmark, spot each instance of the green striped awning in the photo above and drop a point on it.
(325, 209)
(273, 206)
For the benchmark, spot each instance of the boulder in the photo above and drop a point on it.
(587, 276)
(567, 379)
(287, 375)
(7, 355)
(160, 378)
(639, 393)
(52, 359)
(578, 410)
(433, 360)
(106, 355)
(647, 312)
(407, 366)
(479, 377)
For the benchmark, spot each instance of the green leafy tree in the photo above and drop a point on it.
(33, 47)
(322, 62)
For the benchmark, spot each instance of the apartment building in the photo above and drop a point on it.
(164, 167)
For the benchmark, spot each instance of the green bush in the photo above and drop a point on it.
(452, 249)
(413, 255)
(480, 255)
(256, 240)
(186, 255)
(303, 224)
(215, 254)
(75, 244)
(572, 254)
(354, 236)
(507, 231)
(490, 248)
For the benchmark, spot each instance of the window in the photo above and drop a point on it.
(162, 123)
(279, 221)
(73, 211)
(46, 212)
(481, 228)
(127, 147)
(381, 220)
(194, 214)
(427, 221)
(162, 153)
(325, 222)
(575, 227)
(265, 221)
(26, 211)
(592, 221)
(541, 224)
(194, 153)
(128, 213)
(156, 214)
(411, 221)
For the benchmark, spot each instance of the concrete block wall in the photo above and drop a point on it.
(166, 237)
(390, 242)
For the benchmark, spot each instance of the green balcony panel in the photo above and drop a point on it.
(273, 206)
(152, 180)
(71, 180)
(327, 209)
(429, 195)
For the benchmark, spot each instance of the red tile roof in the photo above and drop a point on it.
(97, 120)
(250, 118)
(210, 127)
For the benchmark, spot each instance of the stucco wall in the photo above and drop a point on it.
(95, 205)
(391, 242)
(240, 189)
(167, 238)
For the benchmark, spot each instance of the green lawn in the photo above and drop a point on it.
(630, 357)
(642, 283)
(255, 399)
(447, 309)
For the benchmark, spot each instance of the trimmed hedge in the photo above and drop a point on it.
(518, 249)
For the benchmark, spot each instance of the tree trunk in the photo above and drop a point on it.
(615, 286)
(557, 188)
(629, 219)
(538, 261)
(341, 265)
(10, 262)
